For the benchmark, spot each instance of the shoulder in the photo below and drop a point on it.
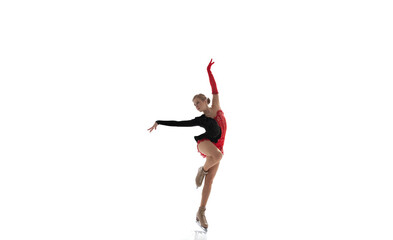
(214, 112)
(216, 109)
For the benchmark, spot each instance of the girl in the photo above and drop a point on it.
(210, 144)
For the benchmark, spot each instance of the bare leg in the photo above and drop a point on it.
(210, 162)
(208, 184)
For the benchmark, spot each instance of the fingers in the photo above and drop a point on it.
(153, 128)
(210, 64)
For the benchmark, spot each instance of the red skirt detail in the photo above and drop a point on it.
(218, 145)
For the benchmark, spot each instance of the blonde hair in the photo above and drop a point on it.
(202, 97)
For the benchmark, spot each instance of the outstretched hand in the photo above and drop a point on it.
(210, 65)
(154, 127)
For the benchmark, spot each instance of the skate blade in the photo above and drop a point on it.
(203, 228)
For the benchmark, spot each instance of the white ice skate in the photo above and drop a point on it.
(201, 219)
(204, 229)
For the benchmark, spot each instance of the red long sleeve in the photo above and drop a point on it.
(212, 82)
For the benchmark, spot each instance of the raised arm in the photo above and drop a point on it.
(216, 101)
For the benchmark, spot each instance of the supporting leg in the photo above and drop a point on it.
(208, 184)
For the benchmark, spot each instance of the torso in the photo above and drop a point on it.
(221, 122)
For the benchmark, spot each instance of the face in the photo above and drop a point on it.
(199, 104)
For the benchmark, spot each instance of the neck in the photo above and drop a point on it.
(208, 111)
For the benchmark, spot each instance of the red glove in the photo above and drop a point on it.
(211, 78)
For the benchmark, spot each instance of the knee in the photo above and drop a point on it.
(217, 156)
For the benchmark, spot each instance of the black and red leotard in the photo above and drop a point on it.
(221, 121)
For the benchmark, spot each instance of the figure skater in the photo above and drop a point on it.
(209, 144)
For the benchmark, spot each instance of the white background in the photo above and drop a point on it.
(305, 87)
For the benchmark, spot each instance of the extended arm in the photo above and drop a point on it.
(216, 101)
(186, 123)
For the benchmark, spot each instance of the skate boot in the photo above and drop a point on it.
(200, 176)
(201, 218)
